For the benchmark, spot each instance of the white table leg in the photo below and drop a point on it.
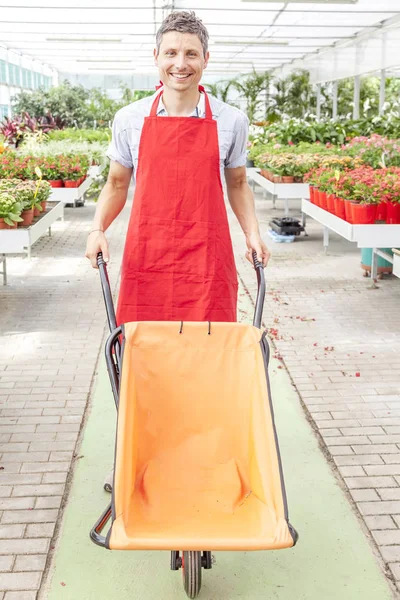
(326, 239)
(4, 271)
(374, 265)
(286, 202)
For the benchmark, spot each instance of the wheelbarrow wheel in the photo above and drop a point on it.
(191, 567)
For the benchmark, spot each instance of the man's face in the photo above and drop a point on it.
(180, 60)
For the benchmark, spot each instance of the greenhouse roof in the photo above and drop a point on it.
(82, 36)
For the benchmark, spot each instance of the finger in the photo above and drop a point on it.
(89, 256)
(93, 260)
(104, 250)
(258, 251)
(266, 258)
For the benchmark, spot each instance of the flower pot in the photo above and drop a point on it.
(316, 197)
(27, 217)
(347, 211)
(383, 265)
(322, 200)
(264, 173)
(71, 184)
(393, 213)
(330, 203)
(56, 183)
(43, 205)
(287, 179)
(277, 178)
(3, 225)
(298, 179)
(312, 194)
(363, 214)
(339, 208)
(36, 211)
(381, 212)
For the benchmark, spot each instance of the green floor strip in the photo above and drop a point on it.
(332, 560)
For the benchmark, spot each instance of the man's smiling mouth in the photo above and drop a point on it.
(181, 76)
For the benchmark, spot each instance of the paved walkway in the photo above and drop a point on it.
(52, 325)
(344, 365)
(328, 562)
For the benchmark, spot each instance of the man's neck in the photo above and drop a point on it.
(180, 104)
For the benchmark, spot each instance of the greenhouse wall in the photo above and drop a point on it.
(111, 83)
(366, 53)
(18, 73)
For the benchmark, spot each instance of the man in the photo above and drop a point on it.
(178, 260)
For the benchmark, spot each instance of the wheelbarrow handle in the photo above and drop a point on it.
(105, 286)
(260, 291)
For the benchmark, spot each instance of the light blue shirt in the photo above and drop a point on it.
(232, 124)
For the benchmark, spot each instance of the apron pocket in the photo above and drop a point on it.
(195, 248)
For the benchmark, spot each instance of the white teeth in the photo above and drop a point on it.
(179, 76)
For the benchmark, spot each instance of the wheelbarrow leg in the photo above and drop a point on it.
(108, 481)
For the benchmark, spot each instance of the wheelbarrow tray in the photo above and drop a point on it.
(197, 461)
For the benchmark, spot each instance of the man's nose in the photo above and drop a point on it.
(180, 61)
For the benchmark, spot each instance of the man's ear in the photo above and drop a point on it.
(155, 55)
(206, 59)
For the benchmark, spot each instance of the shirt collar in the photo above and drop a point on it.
(161, 110)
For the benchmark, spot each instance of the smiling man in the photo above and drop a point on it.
(178, 261)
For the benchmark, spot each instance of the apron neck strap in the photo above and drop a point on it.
(153, 112)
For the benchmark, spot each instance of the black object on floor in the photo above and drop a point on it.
(286, 226)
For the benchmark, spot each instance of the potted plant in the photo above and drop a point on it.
(10, 210)
(43, 192)
(25, 194)
(391, 195)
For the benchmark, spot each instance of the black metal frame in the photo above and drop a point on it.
(113, 354)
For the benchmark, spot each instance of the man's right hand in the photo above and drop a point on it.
(96, 242)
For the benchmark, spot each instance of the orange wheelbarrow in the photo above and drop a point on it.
(197, 462)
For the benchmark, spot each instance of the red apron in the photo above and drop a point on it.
(178, 262)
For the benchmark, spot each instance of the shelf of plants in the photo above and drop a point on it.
(69, 167)
(282, 191)
(71, 195)
(21, 239)
(25, 215)
(282, 170)
(366, 236)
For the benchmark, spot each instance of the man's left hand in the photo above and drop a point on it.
(255, 243)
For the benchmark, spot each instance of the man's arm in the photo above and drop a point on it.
(242, 202)
(111, 201)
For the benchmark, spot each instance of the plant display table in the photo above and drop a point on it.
(21, 240)
(279, 191)
(71, 195)
(365, 236)
(96, 170)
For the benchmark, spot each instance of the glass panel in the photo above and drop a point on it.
(10, 73)
(3, 73)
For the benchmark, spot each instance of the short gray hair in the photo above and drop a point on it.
(184, 22)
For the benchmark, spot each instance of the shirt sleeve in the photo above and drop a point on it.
(119, 150)
(237, 154)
